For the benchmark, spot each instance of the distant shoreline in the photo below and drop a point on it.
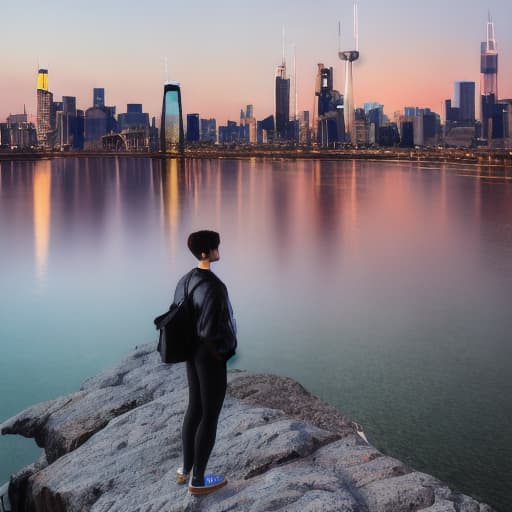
(464, 156)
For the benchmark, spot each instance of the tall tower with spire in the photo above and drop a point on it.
(44, 105)
(282, 99)
(349, 56)
(488, 79)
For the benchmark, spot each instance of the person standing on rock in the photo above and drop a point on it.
(206, 369)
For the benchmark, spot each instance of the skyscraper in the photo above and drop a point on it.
(410, 111)
(488, 79)
(99, 120)
(133, 118)
(69, 105)
(66, 123)
(349, 57)
(96, 125)
(171, 133)
(371, 105)
(318, 85)
(282, 99)
(44, 105)
(326, 90)
(208, 130)
(248, 125)
(464, 100)
(42, 79)
(451, 113)
(98, 97)
(460, 128)
(192, 127)
(18, 131)
(304, 128)
(330, 122)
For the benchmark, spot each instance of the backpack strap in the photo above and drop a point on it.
(188, 293)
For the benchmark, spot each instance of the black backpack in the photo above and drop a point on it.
(177, 330)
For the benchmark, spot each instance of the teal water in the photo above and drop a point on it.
(382, 287)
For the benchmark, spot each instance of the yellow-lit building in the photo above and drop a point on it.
(44, 106)
(42, 80)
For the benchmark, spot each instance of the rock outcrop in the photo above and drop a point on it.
(115, 446)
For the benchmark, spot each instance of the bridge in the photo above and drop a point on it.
(127, 140)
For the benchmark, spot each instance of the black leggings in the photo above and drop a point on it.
(207, 389)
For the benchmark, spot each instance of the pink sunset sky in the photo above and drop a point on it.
(225, 53)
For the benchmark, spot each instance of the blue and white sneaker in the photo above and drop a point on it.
(211, 483)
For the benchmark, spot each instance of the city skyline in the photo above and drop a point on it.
(411, 55)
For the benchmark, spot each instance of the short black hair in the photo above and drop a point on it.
(203, 241)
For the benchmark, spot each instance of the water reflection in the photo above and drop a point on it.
(280, 224)
(495, 227)
(42, 212)
(383, 287)
(170, 198)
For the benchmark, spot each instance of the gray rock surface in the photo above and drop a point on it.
(115, 445)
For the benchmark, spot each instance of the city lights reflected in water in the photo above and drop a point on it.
(171, 199)
(42, 212)
(382, 287)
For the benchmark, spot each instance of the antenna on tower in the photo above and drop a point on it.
(491, 38)
(295, 80)
(166, 70)
(284, 58)
(339, 36)
(356, 25)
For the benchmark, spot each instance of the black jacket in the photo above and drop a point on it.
(213, 314)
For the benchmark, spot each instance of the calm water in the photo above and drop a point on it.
(385, 288)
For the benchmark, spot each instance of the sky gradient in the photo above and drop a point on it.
(225, 53)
